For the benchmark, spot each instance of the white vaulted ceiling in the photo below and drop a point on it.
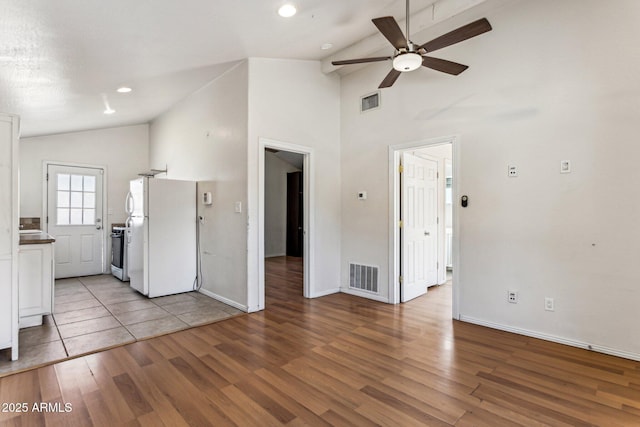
(62, 60)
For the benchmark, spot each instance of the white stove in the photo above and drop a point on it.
(119, 267)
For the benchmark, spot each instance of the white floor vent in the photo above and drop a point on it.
(363, 277)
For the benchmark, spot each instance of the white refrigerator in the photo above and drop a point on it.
(161, 236)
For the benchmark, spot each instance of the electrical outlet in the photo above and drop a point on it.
(512, 171)
(512, 297)
(549, 304)
(565, 166)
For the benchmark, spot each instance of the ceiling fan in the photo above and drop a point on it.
(409, 56)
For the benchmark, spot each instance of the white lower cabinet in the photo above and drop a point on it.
(9, 223)
(6, 331)
(35, 279)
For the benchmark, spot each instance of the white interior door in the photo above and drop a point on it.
(419, 215)
(74, 218)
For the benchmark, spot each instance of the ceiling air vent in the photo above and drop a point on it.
(370, 102)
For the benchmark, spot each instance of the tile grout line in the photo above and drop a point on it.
(110, 312)
(125, 326)
(105, 307)
(64, 345)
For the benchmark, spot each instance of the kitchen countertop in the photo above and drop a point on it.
(36, 238)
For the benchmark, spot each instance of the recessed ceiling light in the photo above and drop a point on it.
(124, 89)
(326, 46)
(109, 111)
(287, 10)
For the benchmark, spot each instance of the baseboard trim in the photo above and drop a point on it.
(325, 293)
(367, 295)
(224, 300)
(552, 338)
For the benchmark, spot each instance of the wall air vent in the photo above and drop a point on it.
(363, 277)
(370, 102)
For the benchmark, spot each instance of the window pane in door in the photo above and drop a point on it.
(89, 183)
(76, 199)
(63, 199)
(76, 182)
(63, 217)
(76, 217)
(89, 216)
(63, 182)
(89, 200)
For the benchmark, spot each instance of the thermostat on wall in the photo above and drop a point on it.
(207, 198)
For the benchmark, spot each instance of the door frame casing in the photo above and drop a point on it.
(308, 250)
(105, 209)
(394, 215)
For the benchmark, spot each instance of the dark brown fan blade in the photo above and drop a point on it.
(391, 30)
(443, 65)
(390, 79)
(361, 60)
(456, 36)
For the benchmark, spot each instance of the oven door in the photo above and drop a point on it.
(117, 249)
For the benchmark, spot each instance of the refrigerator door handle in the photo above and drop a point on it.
(128, 204)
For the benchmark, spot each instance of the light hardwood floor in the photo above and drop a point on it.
(337, 360)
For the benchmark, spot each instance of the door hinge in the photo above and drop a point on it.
(47, 176)
(400, 279)
(400, 223)
(438, 220)
(437, 175)
(400, 168)
(47, 220)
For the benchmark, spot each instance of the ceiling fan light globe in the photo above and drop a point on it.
(407, 62)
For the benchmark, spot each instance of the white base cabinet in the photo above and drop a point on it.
(35, 283)
(6, 331)
(9, 223)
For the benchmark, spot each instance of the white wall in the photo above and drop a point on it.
(294, 102)
(204, 138)
(123, 151)
(552, 81)
(275, 204)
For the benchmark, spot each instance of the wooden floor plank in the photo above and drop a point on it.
(336, 360)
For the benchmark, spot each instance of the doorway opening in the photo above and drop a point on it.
(423, 228)
(285, 210)
(75, 200)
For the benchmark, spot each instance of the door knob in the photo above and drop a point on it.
(98, 227)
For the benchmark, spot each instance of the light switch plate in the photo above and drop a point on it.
(565, 166)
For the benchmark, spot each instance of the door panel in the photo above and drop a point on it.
(88, 243)
(419, 229)
(74, 218)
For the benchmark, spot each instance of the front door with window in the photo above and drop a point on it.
(74, 218)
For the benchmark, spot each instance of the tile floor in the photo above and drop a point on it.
(97, 312)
